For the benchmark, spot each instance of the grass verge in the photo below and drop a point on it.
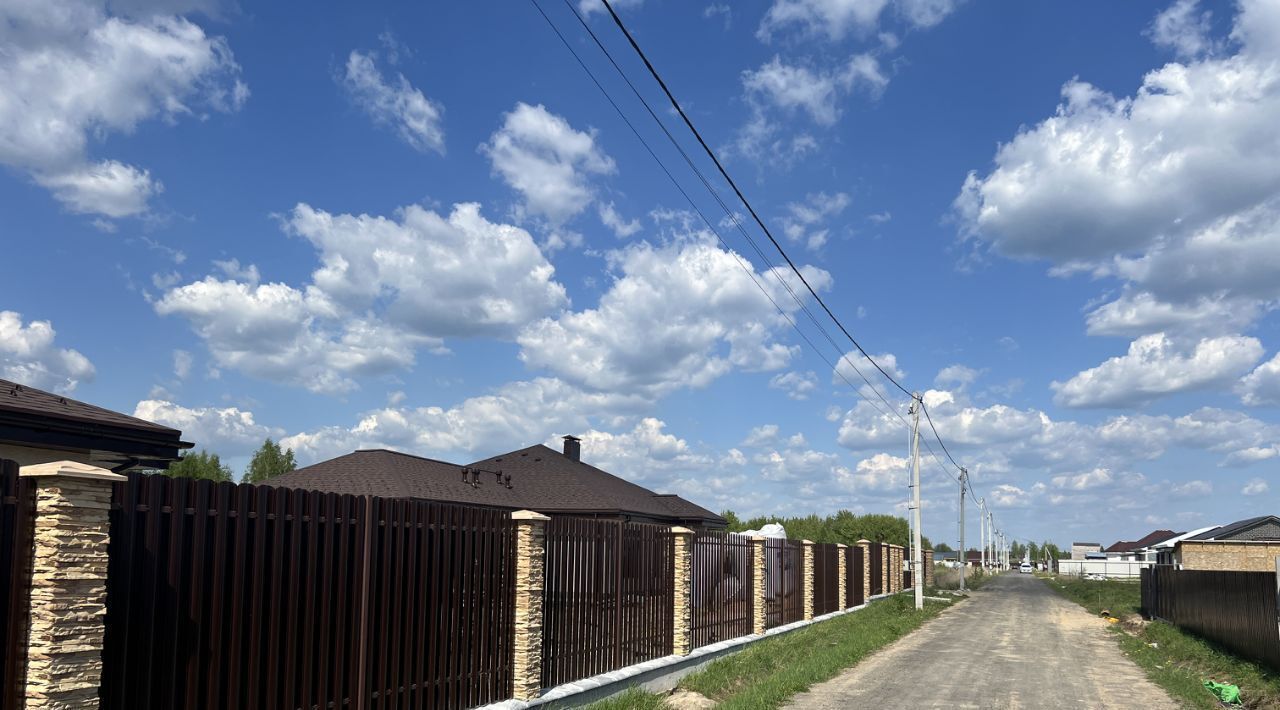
(1178, 661)
(766, 674)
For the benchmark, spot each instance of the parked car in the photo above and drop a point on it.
(1026, 568)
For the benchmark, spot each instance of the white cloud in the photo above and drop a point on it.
(181, 364)
(1175, 190)
(417, 119)
(815, 92)
(621, 228)
(1156, 366)
(882, 472)
(547, 161)
(385, 288)
(1096, 478)
(1183, 28)
(763, 435)
(804, 220)
(833, 20)
(959, 376)
(1192, 489)
(1252, 455)
(1262, 386)
(676, 316)
(28, 356)
(797, 385)
(227, 431)
(1255, 487)
(73, 74)
(1005, 495)
(586, 7)
(645, 453)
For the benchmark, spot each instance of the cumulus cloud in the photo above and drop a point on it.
(73, 73)
(677, 316)
(1175, 190)
(418, 120)
(882, 472)
(28, 356)
(646, 452)
(1262, 386)
(622, 228)
(797, 385)
(384, 289)
(547, 161)
(805, 220)
(1255, 487)
(1154, 367)
(227, 431)
(833, 20)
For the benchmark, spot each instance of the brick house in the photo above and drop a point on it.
(1252, 544)
(535, 478)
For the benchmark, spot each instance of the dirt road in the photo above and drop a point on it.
(1013, 644)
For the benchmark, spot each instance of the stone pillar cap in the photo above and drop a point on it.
(528, 515)
(758, 538)
(841, 545)
(806, 542)
(678, 530)
(71, 469)
(864, 540)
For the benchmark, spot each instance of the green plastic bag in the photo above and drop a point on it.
(1229, 694)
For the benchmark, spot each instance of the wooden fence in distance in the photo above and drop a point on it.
(826, 578)
(17, 513)
(722, 587)
(609, 597)
(854, 591)
(240, 596)
(783, 575)
(1234, 609)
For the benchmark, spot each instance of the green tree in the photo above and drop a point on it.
(943, 547)
(268, 462)
(201, 465)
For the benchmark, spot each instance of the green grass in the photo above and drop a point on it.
(633, 699)
(1179, 661)
(949, 579)
(768, 673)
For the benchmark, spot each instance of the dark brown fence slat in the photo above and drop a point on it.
(1234, 609)
(17, 515)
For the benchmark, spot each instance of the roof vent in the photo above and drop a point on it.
(573, 448)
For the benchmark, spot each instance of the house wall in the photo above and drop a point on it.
(1078, 551)
(1228, 555)
(28, 455)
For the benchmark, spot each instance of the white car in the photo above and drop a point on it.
(1025, 568)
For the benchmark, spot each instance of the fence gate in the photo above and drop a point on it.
(609, 597)
(17, 513)
(721, 594)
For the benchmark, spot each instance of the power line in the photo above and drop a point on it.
(750, 273)
(731, 214)
(710, 153)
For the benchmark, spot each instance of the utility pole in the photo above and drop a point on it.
(916, 406)
(991, 539)
(982, 531)
(964, 476)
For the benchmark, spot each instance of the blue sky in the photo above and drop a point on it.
(422, 227)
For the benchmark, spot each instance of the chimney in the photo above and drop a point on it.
(573, 448)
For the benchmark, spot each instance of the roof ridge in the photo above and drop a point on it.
(384, 450)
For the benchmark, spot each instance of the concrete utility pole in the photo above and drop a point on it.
(964, 476)
(991, 540)
(982, 530)
(916, 566)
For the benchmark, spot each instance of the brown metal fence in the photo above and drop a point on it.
(826, 578)
(609, 597)
(877, 568)
(721, 589)
(854, 593)
(783, 570)
(906, 579)
(17, 513)
(1234, 609)
(239, 596)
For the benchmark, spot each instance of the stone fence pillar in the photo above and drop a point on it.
(759, 612)
(682, 608)
(865, 546)
(807, 579)
(842, 592)
(68, 584)
(882, 549)
(531, 539)
(928, 568)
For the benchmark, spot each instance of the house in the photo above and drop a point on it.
(535, 478)
(1138, 550)
(1164, 550)
(1251, 544)
(39, 427)
(1080, 549)
(950, 558)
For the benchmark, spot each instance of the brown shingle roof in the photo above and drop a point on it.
(542, 479)
(29, 400)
